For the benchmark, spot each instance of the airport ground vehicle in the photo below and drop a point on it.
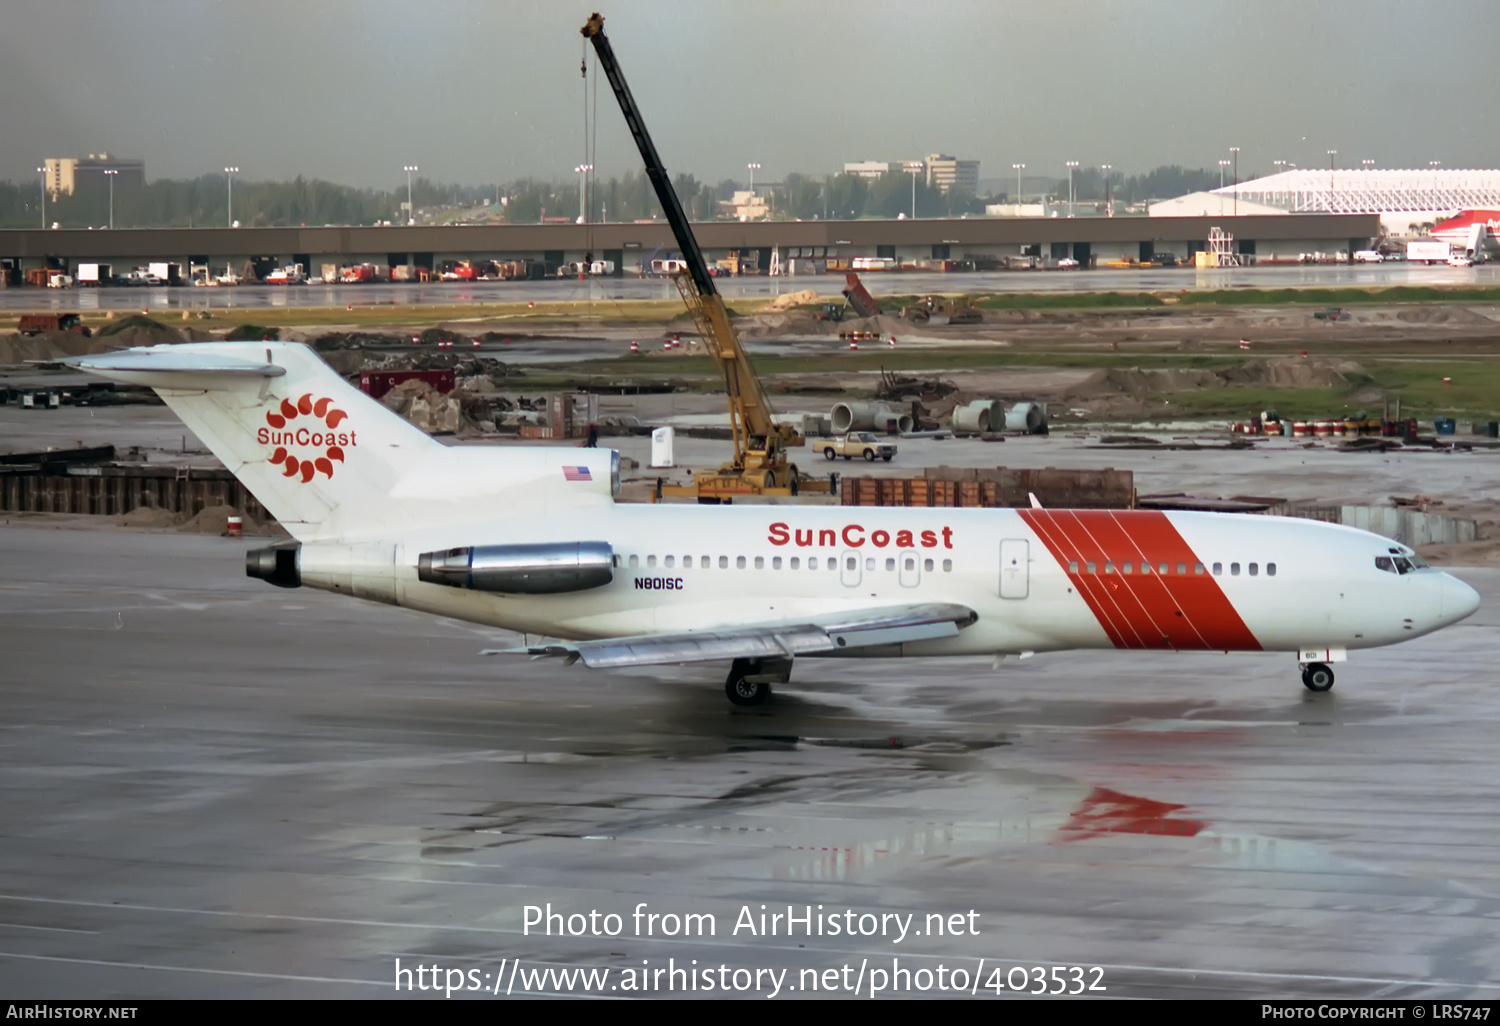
(35, 324)
(943, 310)
(1427, 251)
(759, 465)
(863, 444)
(1368, 256)
(531, 539)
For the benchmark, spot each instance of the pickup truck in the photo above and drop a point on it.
(857, 443)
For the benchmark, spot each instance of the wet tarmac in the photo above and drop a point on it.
(210, 787)
(605, 290)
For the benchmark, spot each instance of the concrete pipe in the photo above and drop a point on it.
(1030, 418)
(977, 417)
(867, 417)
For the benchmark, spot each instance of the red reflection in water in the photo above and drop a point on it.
(1104, 811)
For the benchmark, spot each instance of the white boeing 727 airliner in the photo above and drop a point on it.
(531, 539)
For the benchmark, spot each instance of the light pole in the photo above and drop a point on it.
(1222, 165)
(1434, 163)
(1234, 152)
(43, 172)
(229, 173)
(411, 211)
(111, 172)
(1071, 165)
(754, 167)
(1018, 168)
(1109, 207)
(582, 171)
(914, 168)
(1332, 167)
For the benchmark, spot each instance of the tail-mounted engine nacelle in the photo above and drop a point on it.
(276, 564)
(547, 569)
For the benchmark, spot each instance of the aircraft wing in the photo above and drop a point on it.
(819, 635)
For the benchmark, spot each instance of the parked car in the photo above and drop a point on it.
(857, 443)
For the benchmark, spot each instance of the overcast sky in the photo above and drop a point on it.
(478, 90)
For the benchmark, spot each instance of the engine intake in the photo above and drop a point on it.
(547, 569)
(275, 564)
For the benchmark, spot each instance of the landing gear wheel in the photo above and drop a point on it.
(743, 692)
(1317, 677)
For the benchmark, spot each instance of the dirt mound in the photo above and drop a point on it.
(1454, 315)
(1291, 372)
(51, 345)
(150, 516)
(139, 330)
(214, 520)
(336, 340)
(252, 333)
(792, 299)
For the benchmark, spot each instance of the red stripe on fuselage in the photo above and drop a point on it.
(1141, 609)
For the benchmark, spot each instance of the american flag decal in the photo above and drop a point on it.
(576, 474)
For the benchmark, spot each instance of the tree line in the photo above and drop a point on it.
(204, 202)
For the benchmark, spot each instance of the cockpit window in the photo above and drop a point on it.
(1417, 562)
(1384, 563)
(1403, 565)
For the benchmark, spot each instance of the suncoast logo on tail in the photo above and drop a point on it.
(308, 449)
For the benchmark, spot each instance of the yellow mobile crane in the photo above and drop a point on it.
(760, 465)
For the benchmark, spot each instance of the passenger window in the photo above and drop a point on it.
(1146, 568)
(850, 563)
(1218, 569)
(669, 561)
(1092, 567)
(1234, 569)
(760, 562)
(723, 562)
(687, 562)
(870, 563)
(1198, 568)
(1072, 566)
(1270, 569)
(812, 563)
(775, 562)
(927, 565)
(795, 563)
(650, 560)
(1254, 569)
(1109, 567)
(1163, 569)
(635, 561)
(947, 566)
(910, 564)
(1127, 568)
(1181, 569)
(739, 561)
(890, 564)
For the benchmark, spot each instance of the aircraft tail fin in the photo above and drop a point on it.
(319, 454)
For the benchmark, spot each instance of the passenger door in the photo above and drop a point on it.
(1015, 568)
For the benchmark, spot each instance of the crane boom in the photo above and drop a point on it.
(758, 441)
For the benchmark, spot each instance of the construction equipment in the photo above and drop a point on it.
(942, 310)
(760, 465)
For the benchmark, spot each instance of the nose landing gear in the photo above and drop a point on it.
(1317, 677)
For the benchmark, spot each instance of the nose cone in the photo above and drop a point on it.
(1459, 600)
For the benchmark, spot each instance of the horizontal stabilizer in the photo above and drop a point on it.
(162, 365)
(823, 635)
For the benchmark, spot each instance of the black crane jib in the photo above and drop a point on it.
(593, 30)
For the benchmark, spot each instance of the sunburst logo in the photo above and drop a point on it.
(306, 450)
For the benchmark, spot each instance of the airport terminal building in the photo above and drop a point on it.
(792, 247)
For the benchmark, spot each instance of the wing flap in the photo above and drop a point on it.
(841, 632)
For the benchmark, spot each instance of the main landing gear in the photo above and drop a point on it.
(1317, 677)
(750, 680)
